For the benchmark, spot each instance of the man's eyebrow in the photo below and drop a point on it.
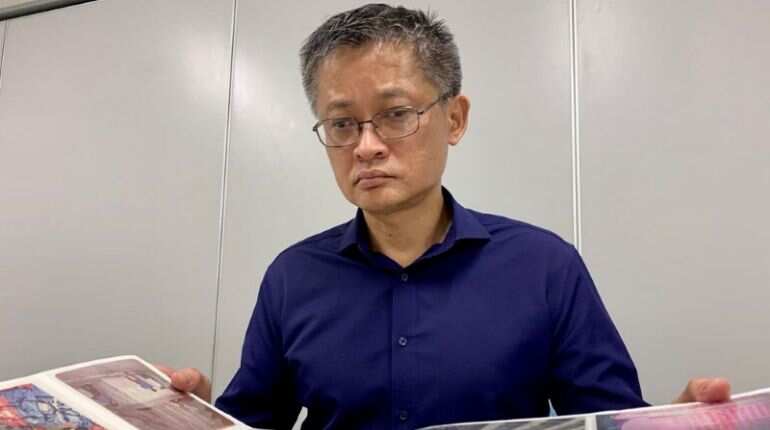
(339, 104)
(390, 93)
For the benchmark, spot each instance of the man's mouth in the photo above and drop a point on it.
(371, 178)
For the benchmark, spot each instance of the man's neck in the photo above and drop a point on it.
(405, 235)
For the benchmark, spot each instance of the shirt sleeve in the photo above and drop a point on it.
(261, 392)
(591, 368)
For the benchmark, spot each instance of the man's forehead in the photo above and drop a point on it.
(394, 74)
(384, 54)
(342, 100)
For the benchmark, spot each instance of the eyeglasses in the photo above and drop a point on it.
(390, 124)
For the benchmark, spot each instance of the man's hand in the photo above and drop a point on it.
(188, 380)
(708, 390)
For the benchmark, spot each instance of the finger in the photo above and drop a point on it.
(203, 390)
(705, 390)
(192, 381)
(186, 380)
(716, 390)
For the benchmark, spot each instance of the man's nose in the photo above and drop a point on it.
(370, 146)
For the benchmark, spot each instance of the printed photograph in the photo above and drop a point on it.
(746, 413)
(140, 396)
(27, 407)
(550, 424)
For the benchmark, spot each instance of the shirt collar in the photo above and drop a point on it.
(465, 225)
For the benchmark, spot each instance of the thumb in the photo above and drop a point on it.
(192, 381)
(708, 390)
(185, 379)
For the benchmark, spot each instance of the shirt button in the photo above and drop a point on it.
(404, 277)
(402, 341)
(403, 415)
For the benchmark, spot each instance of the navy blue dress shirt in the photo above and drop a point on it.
(489, 324)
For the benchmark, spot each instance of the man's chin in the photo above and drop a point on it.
(377, 201)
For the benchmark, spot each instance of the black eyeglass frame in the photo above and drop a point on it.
(360, 124)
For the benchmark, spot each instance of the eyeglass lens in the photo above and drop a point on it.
(389, 124)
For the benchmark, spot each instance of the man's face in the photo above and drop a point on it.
(383, 177)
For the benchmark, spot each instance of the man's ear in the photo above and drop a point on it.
(457, 114)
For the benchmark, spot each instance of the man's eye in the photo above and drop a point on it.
(343, 123)
(398, 113)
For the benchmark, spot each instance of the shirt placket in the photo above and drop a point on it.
(403, 367)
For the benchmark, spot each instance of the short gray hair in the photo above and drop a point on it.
(433, 44)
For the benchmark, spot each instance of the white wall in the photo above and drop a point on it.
(675, 145)
(115, 139)
(2, 43)
(113, 118)
(9, 3)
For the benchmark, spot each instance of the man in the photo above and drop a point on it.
(418, 311)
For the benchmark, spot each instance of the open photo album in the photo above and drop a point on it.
(746, 411)
(110, 394)
(127, 393)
